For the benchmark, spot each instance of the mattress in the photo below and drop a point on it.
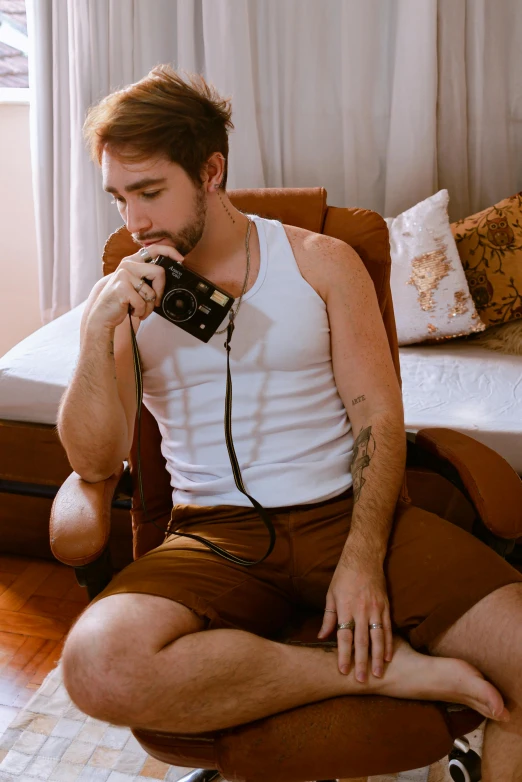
(455, 385)
(35, 372)
(468, 388)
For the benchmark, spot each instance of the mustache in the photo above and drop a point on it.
(148, 237)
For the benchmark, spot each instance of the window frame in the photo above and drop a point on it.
(18, 95)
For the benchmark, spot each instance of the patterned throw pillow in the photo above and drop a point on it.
(430, 293)
(490, 247)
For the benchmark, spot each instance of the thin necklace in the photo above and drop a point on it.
(232, 315)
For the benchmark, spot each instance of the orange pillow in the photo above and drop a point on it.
(490, 248)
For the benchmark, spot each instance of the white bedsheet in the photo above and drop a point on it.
(455, 385)
(35, 373)
(471, 389)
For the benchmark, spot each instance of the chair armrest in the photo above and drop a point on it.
(491, 484)
(80, 521)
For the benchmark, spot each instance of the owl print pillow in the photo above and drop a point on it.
(490, 247)
(430, 292)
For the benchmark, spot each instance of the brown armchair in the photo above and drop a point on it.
(447, 473)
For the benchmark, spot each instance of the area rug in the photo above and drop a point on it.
(50, 739)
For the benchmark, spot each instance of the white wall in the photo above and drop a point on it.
(19, 303)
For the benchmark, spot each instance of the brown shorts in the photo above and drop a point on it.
(435, 571)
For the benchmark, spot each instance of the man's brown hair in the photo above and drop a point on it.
(185, 120)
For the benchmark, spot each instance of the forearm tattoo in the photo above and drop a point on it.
(358, 399)
(363, 450)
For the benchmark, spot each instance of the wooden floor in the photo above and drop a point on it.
(39, 601)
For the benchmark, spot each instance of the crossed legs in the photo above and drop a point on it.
(205, 680)
(142, 660)
(122, 665)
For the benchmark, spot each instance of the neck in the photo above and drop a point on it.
(224, 235)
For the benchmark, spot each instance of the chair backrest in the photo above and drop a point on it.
(364, 230)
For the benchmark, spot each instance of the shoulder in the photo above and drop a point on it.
(324, 261)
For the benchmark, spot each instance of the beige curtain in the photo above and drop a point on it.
(382, 103)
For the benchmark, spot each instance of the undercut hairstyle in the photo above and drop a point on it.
(163, 114)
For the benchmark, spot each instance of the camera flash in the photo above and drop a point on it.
(219, 298)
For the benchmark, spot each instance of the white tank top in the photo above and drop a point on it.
(291, 432)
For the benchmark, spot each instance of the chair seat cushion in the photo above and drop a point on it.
(345, 737)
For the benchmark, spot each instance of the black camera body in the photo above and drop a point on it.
(190, 301)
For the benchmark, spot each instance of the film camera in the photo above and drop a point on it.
(190, 301)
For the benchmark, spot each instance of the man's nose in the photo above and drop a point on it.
(136, 219)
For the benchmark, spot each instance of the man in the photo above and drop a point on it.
(182, 639)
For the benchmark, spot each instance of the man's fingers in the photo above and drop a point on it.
(161, 249)
(377, 641)
(139, 308)
(361, 644)
(153, 276)
(388, 636)
(344, 648)
(147, 294)
(329, 622)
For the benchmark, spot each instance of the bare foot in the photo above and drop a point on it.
(420, 676)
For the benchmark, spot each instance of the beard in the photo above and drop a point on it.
(187, 237)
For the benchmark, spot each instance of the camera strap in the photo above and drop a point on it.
(265, 516)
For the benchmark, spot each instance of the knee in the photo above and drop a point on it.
(99, 675)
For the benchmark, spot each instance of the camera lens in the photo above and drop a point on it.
(179, 305)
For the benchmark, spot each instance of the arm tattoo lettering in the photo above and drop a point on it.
(358, 399)
(363, 450)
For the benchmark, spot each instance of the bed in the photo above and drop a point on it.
(468, 388)
(33, 463)
(455, 384)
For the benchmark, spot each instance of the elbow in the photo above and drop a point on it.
(93, 476)
(92, 470)
(93, 465)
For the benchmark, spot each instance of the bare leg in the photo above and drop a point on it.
(215, 679)
(489, 636)
(216, 694)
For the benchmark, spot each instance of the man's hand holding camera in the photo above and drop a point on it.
(136, 286)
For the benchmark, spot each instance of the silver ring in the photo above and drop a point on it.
(148, 298)
(347, 625)
(376, 627)
(138, 288)
(330, 610)
(145, 254)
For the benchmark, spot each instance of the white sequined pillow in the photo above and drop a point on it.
(430, 291)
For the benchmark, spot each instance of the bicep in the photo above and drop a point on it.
(363, 367)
